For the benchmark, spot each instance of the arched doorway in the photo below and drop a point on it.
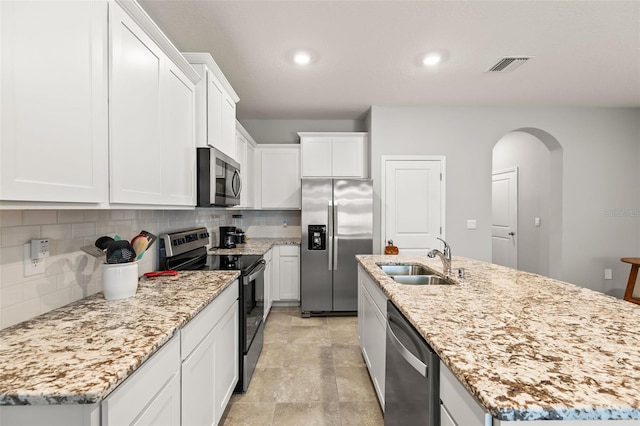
(537, 157)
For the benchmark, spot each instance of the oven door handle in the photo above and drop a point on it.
(254, 272)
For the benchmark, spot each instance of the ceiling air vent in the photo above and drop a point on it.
(509, 63)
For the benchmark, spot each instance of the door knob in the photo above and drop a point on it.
(512, 233)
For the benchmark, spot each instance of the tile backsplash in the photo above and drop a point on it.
(70, 274)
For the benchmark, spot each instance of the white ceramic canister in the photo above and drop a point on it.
(119, 280)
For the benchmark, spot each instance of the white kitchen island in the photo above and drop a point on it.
(523, 346)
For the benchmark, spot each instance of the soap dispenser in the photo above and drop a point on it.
(390, 248)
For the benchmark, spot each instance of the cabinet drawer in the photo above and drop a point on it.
(197, 329)
(379, 298)
(289, 250)
(136, 393)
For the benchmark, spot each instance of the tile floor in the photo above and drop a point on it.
(310, 372)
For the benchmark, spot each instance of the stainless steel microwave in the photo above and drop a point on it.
(219, 182)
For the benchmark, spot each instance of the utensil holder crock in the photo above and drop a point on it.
(119, 280)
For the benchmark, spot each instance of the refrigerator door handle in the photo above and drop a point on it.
(335, 238)
(330, 234)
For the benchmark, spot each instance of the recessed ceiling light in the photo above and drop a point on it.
(302, 58)
(432, 59)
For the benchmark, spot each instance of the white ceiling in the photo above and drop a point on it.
(587, 53)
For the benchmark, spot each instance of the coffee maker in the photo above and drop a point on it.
(227, 237)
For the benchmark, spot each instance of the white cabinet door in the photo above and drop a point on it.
(54, 118)
(151, 107)
(198, 406)
(372, 324)
(289, 273)
(316, 155)
(165, 408)
(250, 181)
(227, 359)
(279, 177)
(134, 107)
(334, 154)
(228, 141)
(348, 156)
(178, 138)
(215, 99)
(216, 106)
(150, 393)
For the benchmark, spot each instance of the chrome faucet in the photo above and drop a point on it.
(445, 257)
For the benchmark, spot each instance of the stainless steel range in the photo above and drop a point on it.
(186, 251)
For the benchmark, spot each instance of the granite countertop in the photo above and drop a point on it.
(257, 246)
(525, 346)
(81, 352)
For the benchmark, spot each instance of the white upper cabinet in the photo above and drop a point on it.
(54, 118)
(278, 173)
(334, 154)
(151, 108)
(96, 106)
(215, 106)
(245, 154)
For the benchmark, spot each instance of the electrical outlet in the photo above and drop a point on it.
(32, 266)
(285, 224)
(608, 274)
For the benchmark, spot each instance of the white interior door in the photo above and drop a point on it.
(413, 204)
(504, 217)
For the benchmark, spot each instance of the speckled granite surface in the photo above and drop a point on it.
(527, 347)
(257, 246)
(79, 353)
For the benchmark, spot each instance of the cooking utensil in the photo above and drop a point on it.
(92, 250)
(152, 238)
(161, 273)
(103, 242)
(139, 244)
(120, 252)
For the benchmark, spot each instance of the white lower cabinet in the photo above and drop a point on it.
(151, 393)
(210, 360)
(286, 274)
(458, 407)
(372, 328)
(268, 279)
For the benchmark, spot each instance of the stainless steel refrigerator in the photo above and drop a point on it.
(337, 224)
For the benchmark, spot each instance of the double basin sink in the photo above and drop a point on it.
(414, 275)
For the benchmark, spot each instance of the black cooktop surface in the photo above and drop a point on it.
(232, 262)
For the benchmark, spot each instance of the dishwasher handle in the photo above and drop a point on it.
(417, 365)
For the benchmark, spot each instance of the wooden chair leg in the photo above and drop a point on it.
(633, 275)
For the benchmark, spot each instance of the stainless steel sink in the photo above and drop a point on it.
(414, 275)
(405, 270)
(421, 280)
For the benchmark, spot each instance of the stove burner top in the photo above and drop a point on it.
(232, 262)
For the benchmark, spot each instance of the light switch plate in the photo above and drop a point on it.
(608, 275)
(472, 224)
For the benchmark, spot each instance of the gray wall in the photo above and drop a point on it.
(533, 159)
(600, 196)
(286, 131)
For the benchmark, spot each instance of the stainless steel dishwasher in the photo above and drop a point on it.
(412, 377)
